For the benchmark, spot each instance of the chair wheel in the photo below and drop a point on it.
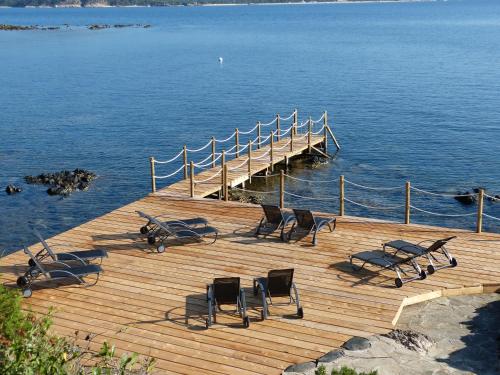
(161, 248)
(27, 293)
(246, 322)
(144, 230)
(22, 281)
(453, 262)
(151, 240)
(423, 275)
(282, 237)
(31, 263)
(398, 282)
(430, 269)
(300, 312)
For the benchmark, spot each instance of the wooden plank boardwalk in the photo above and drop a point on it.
(239, 170)
(154, 304)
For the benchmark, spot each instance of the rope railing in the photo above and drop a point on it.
(312, 198)
(209, 178)
(200, 163)
(494, 199)
(256, 191)
(319, 131)
(318, 120)
(287, 118)
(245, 162)
(199, 149)
(491, 217)
(374, 207)
(440, 214)
(169, 160)
(249, 131)
(171, 174)
(443, 194)
(373, 188)
(225, 139)
(269, 123)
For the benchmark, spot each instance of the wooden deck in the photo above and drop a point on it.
(238, 170)
(154, 304)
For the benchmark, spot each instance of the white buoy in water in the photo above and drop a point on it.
(221, 60)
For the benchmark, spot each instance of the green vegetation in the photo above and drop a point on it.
(27, 347)
(321, 370)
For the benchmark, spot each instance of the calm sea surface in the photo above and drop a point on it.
(413, 91)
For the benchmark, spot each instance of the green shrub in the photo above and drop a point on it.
(349, 371)
(26, 347)
(321, 370)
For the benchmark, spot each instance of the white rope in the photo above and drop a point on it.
(269, 123)
(318, 120)
(243, 148)
(264, 140)
(225, 140)
(171, 174)
(262, 156)
(373, 188)
(442, 194)
(491, 217)
(238, 166)
(492, 197)
(287, 118)
(249, 131)
(200, 163)
(266, 176)
(256, 191)
(282, 147)
(170, 160)
(302, 124)
(319, 131)
(209, 164)
(438, 214)
(285, 132)
(209, 178)
(312, 198)
(199, 149)
(374, 207)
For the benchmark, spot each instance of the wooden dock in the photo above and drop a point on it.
(154, 304)
(220, 171)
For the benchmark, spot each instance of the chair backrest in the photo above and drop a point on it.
(45, 244)
(38, 265)
(226, 290)
(273, 214)
(279, 282)
(439, 244)
(305, 219)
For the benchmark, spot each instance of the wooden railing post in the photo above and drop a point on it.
(480, 207)
(213, 152)
(278, 130)
(191, 179)
(291, 139)
(224, 173)
(341, 195)
(271, 151)
(237, 142)
(250, 162)
(309, 135)
(259, 137)
(153, 177)
(325, 138)
(222, 164)
(295, 120)
(333, 136)
(185, 157)
(282, 189)
(408, 202)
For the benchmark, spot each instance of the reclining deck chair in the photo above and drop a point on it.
(306, 223)
(64, 272)
(83, 256)
(274, 218)
(152, 227)
(278, 283)
(178, 230)
(226, 291)
(400, 265)
(436, 247)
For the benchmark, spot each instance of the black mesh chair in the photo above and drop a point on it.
(306, 223)
(278, 283)
(226, 291)
(274, 218)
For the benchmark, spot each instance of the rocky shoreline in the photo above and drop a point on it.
(6, 27)
(64, 182)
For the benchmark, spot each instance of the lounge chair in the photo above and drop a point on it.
(400, 265)
(177, 229)
(274, 219)
(64, 271)
(436, 247)
(278, 283)
(152, 227)
(306, 223)
(84, 256)
(226, 291)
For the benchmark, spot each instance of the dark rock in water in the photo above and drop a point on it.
(16, 27)
(410, 339)
(331, 356)
(241, 196)
(357, 343)
(119, 26)
(64, 182)
(12, 189)
(98, 27)
(494, 199)
(301, 367)
(146, 26)
(466, 197)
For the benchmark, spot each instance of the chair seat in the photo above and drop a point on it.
(193, 232)
(407, 247)
(193, 221)
(378, 257)
(82, 254)
(77, 271)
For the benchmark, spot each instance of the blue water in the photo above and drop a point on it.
(412, 89)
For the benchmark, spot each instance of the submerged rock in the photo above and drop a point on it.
(64, 182)
(411, 340)
(243, 197)
(12, 189)
(466, 197)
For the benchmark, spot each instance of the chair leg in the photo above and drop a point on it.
(246, 320)
(300, 311)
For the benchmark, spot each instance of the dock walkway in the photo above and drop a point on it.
(154, 304)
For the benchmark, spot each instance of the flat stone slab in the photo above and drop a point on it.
(331, 356)
(301, 367)
(357, 343)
